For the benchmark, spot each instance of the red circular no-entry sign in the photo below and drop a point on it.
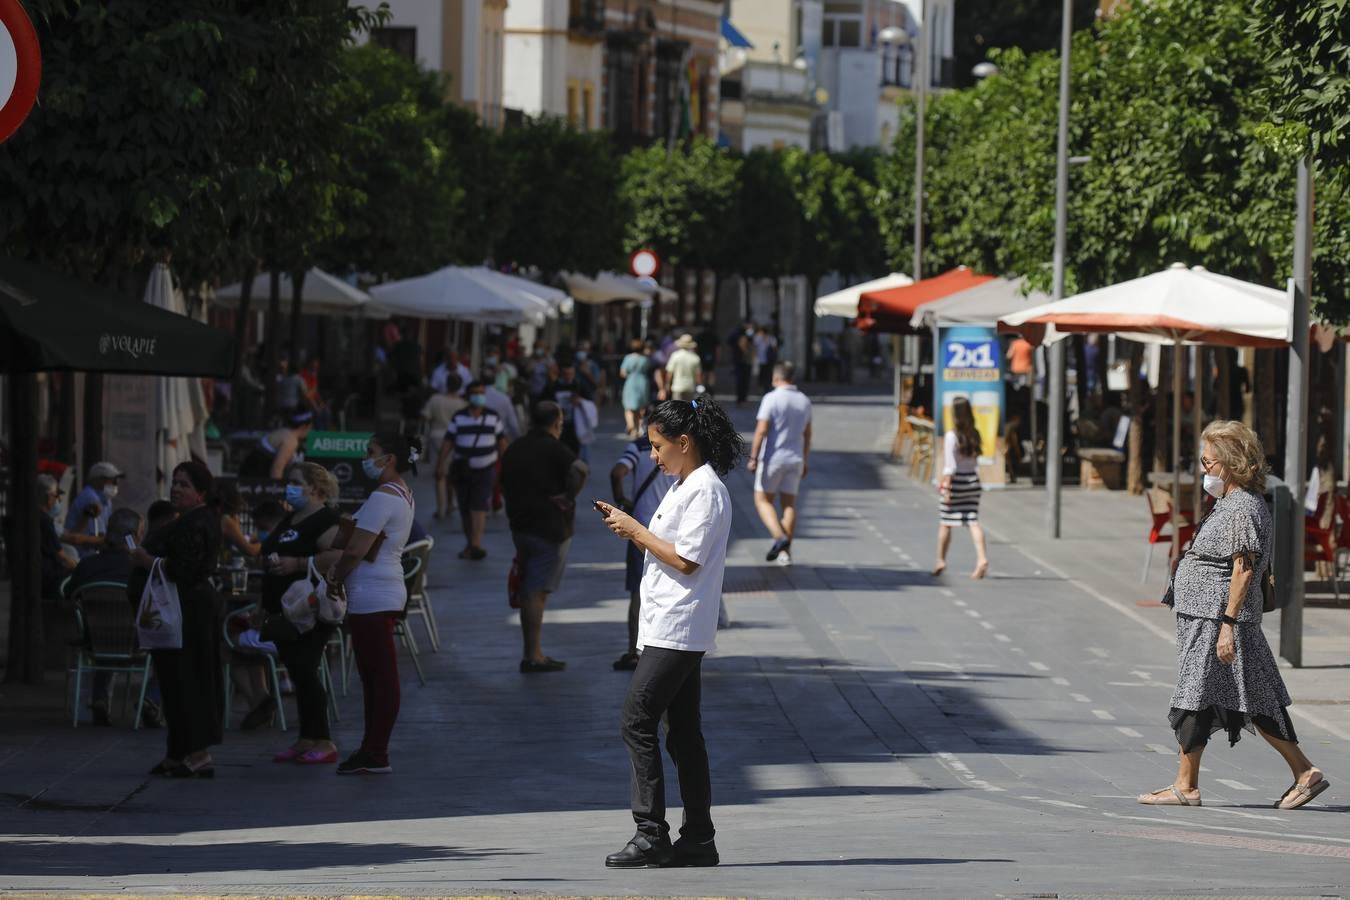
(644, 263)
(20, 67)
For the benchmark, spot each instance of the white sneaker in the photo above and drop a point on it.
(784, 559)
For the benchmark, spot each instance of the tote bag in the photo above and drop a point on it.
(159, 619)
(310, 600)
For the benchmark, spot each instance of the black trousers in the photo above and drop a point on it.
(301, 658)
(191, 682)
(666, 684)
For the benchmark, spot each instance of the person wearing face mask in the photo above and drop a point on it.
(371, 570)
(87, 518)
(469, 454)
(306, 534)
(1227, 677)
(685, 549)
(190, 680)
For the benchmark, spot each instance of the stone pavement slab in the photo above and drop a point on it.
(872, 731)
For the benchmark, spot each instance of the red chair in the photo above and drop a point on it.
(1160, 508)
(1319, 544)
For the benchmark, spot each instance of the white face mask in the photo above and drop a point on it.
(110, 491)
(1213, 485)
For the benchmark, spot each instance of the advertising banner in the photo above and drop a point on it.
(970, 365)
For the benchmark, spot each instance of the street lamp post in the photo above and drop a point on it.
(1054, 437)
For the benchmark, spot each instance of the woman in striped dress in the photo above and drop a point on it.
(960, 487)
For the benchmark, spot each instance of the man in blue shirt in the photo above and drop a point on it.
(87, 519)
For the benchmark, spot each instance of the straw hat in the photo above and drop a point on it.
(686, 342)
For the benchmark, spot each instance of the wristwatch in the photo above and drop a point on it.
(1227, 619)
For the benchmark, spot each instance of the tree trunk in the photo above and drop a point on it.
(808, 348)
(1263, 401)
(1162, 412)
(273, 343)
(1224, 387)
(93, 419)
(716, 298)
(25, 663)
(297, 299)
(700, 281)
(1135, 472)
(238, 392)
(681, 305)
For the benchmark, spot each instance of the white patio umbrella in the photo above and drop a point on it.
(322, 294)
(608, 287)
(551, 300)
(181, 410)
(983, 304)
(456, 292)
(1176, 306)
(845, 302)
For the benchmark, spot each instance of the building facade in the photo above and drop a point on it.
(556, 53)
(463, 39)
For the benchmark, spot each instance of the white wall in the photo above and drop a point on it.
(425, 16)
(853, 78)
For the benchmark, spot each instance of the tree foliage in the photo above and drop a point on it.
(679, 202)
(1307, 45)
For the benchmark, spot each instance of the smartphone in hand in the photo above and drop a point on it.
(131, 541)
(600, 507)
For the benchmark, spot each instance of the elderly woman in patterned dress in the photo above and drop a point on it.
(1227, 679)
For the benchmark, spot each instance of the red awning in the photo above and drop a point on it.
(890, 310)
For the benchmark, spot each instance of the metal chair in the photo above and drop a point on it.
(232, 651)
(106, 629)
(1160, 508)
(419, 604)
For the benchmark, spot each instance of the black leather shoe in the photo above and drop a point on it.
(642, 853)
(695, 853)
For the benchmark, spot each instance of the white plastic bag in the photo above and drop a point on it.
(159, 620)
(309, 600)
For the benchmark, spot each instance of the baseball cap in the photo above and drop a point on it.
(104, 470)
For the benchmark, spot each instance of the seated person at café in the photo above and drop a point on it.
(56, 563)
(266, 516)
(87, 518)
(279, 448)
(112, 563)
(231, 530)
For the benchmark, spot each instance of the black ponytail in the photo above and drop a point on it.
(405, 448)
(707, 424)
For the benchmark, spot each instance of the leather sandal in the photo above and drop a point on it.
(1175, 798)
(1301, 794)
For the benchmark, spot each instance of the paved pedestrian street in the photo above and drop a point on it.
(872, 730)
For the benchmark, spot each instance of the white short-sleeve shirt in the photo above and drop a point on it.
(679, 612)
(788, 412)
(378, 586)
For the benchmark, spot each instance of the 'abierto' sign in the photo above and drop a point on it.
(20, 67)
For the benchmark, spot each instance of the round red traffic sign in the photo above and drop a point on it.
(644, 263)
(20, 67)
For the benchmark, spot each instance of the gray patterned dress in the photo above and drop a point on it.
(1210, 695)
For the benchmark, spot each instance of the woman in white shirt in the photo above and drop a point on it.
(685, 556)
(960, 487)
(371, 570)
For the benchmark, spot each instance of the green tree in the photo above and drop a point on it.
(565, 211)
(1307, 47)
(680, 203)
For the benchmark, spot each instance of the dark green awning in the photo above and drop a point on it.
(51, 322)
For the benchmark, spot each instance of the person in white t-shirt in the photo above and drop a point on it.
(778, 456)
(685, 547)
(371, 571)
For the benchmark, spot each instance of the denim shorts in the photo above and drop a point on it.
(541, 562)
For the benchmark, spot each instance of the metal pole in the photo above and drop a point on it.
(1296, 416)
(920, 100)
(1054, 436)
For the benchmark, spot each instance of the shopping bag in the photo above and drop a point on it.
(159, 619)
(311, 600)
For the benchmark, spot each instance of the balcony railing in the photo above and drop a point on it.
(586, 16)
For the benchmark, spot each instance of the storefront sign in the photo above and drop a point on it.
(341, 452)
(971, 366)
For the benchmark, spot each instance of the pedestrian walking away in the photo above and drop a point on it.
(636, 392)
(1227, 678)
(371, 571)
(684, 562)
(541, 478)
(469, 455)
(639, 485)
(190, 678)
(778, 457)
(959, 488)
(684, 370)
(305, 536)
(439, 409)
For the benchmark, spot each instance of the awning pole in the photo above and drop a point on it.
(1176, 447)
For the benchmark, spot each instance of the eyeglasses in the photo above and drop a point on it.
(1207, 463)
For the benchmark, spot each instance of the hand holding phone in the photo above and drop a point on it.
(601, 507)
(131, 541)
